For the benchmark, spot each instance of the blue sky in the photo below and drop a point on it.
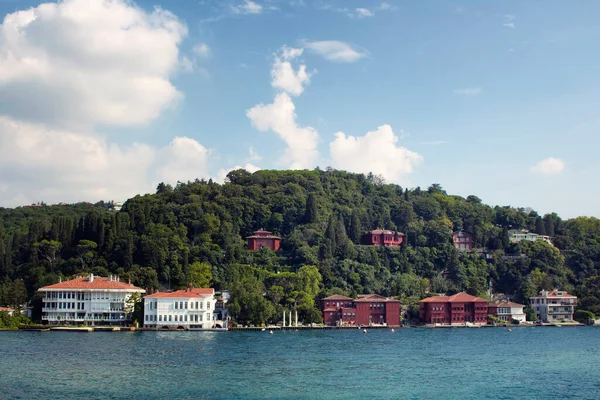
(496, 99)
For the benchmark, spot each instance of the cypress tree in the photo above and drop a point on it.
(310, 214)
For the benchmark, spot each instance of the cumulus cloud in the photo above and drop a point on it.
(184, 159)
(471, 91)
(335, 50)
(283, 74)
(39, 163)
(247, 7)
(89, 61)
(363, 12)
(377, 151)
(280, 117)
(549, 166)
(67, 68)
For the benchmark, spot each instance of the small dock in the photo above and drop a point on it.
(308, 328)
(73, 328)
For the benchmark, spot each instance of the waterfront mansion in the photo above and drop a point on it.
(88, 300)
(181, 309)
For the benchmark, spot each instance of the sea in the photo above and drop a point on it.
(408, 363)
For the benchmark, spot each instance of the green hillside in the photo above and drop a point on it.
(195, 232)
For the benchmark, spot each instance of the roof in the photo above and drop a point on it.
(505, 304)
(461, 297)
(198, 293)
(338, 297)
(93, 283)
(6, 309)
(384, 231)
(564, 293)
(370, 298)
(262, 234)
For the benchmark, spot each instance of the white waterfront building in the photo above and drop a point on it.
(517, 235)
(181, 309)
(554, 306)
(88, 300)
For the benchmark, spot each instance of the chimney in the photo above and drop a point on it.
(91, 278)
(60, 278)
(190, 286)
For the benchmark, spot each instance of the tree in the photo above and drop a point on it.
(199, 274)
(18, 294)
(311, 212)
(49, 250)
(355, 229)
(85, 251)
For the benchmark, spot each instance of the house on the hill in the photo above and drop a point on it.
(507, 311)
(262, 238)
(463, 241)
(382, 237)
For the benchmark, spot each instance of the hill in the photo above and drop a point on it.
(195, 232)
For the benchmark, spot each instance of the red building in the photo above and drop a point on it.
(366, 309)
(382, 237)
(262, 238)
(463, 241)
(455, 309)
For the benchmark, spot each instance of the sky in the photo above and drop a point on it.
(104, 99)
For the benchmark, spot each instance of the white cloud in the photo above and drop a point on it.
(472, 91)
(509, 21)
(38, 163)
(222, 175)
(89, 61)
(549, 166)
(386, 7)
(54, 165)
(247, 7)
(363, 12)
(184, 159)
(280, 117)
(283, 74)
(201, 50)
(335, 50)
(378, 152)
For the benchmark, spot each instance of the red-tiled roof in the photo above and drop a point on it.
(385, 231)
(6, 309)
(338, 297)
(374, 298)
(96, 283)
(262, 235)
(188, 293)
(461, 297)
(564, 293)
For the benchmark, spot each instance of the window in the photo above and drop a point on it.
(176, 304)
(169, 318)
(208, 305)
(181, 305)
(196, 305)
(185, 305)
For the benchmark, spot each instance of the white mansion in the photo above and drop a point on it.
(88, 300)
(554, 306)
(181, 309)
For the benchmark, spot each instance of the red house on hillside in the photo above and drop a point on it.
(382, 237)
(262, 238)
(455, 309)
(366, 309)
(463, 241)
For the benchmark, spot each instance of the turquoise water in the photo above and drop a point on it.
(527, 363)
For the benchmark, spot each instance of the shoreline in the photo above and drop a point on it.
(89, 329)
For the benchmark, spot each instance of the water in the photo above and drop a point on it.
(527, 363)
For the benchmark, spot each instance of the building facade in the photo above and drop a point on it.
(507, 311)
(382, 237)
(463, 241)
(365, 310)
(517, 235)
(262, 238)
(88, 300)
(554, 306)
(457, 309)
(192, 308)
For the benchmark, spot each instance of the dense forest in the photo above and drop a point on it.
(195, 232)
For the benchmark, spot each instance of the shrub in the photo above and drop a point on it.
(583, 315)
